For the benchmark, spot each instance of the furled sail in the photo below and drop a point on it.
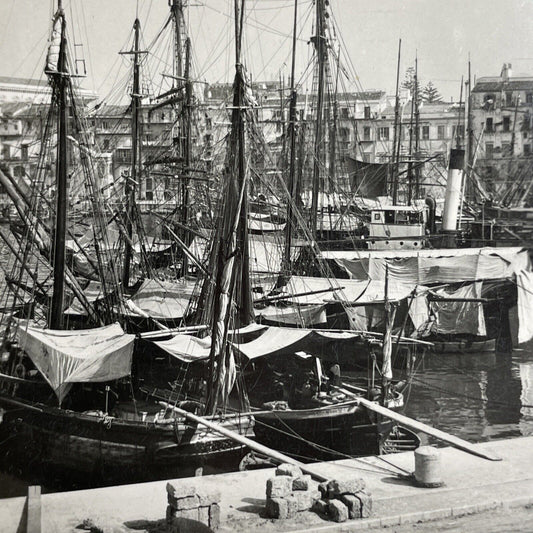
(52, 57)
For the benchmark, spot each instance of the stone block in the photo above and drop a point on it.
(279, 486)
(175, 494)
(189, 514)
(184, 504)
(277, 508)
(203, 515)
(207, 498)
(337, 511)
(351, 486)
(353, 504)
(180, 491)
(320, 507)
(286, 469)
(214, 516)
(301, 482)
(292, 506)
(303, 500)
(366, 503)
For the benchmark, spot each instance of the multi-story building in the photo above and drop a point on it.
(33, 91)
(502, 124)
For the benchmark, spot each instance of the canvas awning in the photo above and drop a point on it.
(164, 299)
(186, 348)
(88, 355)
(350, 291)
(276, 341)
(262, 342)
(425, 267)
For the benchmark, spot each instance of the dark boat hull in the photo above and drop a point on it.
(324, 433)
(103, 450)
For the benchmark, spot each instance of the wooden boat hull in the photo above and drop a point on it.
(324, 433)
(102, 450)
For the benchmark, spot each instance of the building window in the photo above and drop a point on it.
(425, 133)
(506, 123)
(106, 144)
(208, 123)
(489, 125)
(383, 134)
(367, 111)
(529, 98)
(527, 149)
(344, 134)
(488, 101)
(149, 195)
(509, 98)
(506, 149)
(441, 132)
(489, 150)
(366, 133)
(5, 151)
(344, 112)
(24, 152)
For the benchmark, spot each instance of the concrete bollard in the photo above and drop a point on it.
(428, 472)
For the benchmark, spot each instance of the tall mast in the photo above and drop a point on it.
(397, 134)
(176, 7)
(231, 289)
(321, 51)
(417, 133)
(131, 184)
(291, 181)
(60, 82)
(187, 119)
(333, 132)
(410, 177)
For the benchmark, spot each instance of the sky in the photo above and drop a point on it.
(443, 33)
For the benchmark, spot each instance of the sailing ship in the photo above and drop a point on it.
(242, 355)
(70, 397)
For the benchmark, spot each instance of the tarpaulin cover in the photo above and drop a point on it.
(280, 341)
(186, 348)
(164, 299)
(93, 293)
(425, 267)
(524, 284)
(351, 291)
(88, 355)
(295, 315)
(454, 317)
(266, 341)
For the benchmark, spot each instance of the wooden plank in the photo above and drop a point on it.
(273, 454)
(424, 428)
(34, 522)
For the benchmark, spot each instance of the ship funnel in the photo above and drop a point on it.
(453, 190)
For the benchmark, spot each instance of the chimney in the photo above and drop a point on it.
(507, 71)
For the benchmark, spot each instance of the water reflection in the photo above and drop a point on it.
(477, 397)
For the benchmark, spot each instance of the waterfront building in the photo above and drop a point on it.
(502, 124)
